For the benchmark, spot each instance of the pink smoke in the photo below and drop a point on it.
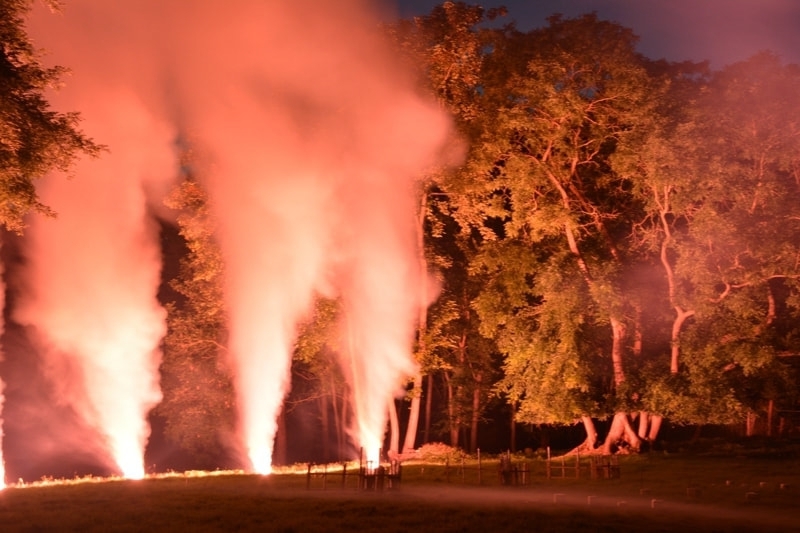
(312, 138)
(93, 273)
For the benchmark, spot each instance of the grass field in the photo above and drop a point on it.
(655, 492)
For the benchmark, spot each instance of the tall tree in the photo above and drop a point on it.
(34, 139)
(660, 184)
(448, 50)
(198, 400)
(316, 348)
(550, 159)
(735, 228)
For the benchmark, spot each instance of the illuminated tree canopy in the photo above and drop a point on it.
(619, 242)
(34, 139)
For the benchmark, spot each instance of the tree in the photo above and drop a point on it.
(630, 230)
(448, 50)
(550, 156)
(658, 185)
(34, 139)
(730, 219)
(317, 348)
(198, 402)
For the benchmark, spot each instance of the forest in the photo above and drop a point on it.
(614, 250)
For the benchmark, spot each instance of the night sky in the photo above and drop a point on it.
(723, 31)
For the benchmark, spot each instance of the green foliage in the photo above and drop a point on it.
(437, 452)
(34, 139)
(610, 209)
(198, 402)
(609, 189)
(564, 120)
(449, 50)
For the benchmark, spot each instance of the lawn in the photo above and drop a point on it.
(655, 492)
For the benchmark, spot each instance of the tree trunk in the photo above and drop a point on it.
(675, 348)
(591, 433)
(338, 424)
(343, 415)
(513, 446)
(770, 415)
(618, 335)
(649, 426)
(620, 432)
(413, 415)
(452, 423)
(428, 401)
(750, 424)
(325, 429)
(279, 452)
(422, 327)
(394, 430)
(476, 411)
(655, 426)
(644, 421)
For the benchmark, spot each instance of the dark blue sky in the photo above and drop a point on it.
(722, 31)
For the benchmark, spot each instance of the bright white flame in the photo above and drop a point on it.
(260, 393)
(260, 458)
(131, 466)
(372, 451)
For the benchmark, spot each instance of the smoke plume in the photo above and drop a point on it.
(92, 276)
(311, 137)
